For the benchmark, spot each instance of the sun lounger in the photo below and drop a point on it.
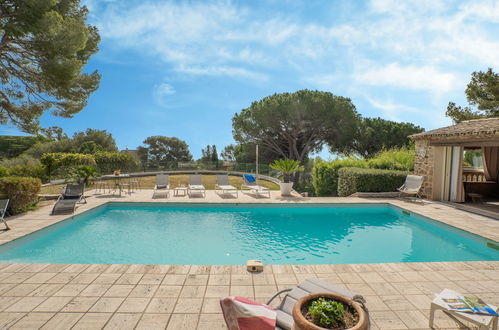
(224, 186)
(311, 285)
(162, 184)
(71, 195)
(411, 186)
(3, 209)
(195, 185)
(249, 182)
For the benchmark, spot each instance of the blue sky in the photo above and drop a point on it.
(184, 68)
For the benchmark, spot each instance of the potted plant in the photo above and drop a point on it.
(287, 167)
(327, 310)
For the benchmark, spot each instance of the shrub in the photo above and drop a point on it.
(325, 174)
(4, 171)
(57, 160)
(108, 161)
(22, 192)
(34, 170)
(352, 180)
(394, 159)
(83, 173)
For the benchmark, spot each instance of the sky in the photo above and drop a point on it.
(184, 68)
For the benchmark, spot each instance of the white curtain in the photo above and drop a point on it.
(490, 156)
(456, 179)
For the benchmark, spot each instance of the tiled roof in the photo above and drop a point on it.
(487, 127)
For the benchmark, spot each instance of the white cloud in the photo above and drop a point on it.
(429, 43)
(162, 92)
(409, 77)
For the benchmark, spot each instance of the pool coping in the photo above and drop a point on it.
(482, 226)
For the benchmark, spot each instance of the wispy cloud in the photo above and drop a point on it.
(409, 77)
(162, 92)
(424, 46)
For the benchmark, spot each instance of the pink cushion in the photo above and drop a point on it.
(244, 314)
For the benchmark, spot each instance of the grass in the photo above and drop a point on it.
(148, 182)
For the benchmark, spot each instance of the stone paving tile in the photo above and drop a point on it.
(211, 321)
(183, 322)
(8, 319)
(80, 304)
(153, 322)
(134, 305)
(53, 304)
(168, 291)
(106, 305)
(119, 290)
(91, 321)
(32, 321)
(123, 321)
(161, 305)
(62, 321)
(188, 305)
(187, 297)
(25, 304)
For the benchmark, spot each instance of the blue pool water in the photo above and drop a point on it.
(214, 234)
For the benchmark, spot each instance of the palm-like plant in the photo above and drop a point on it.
(287, 167)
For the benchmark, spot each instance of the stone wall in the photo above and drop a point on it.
(423, 166)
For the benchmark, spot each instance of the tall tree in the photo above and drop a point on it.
(166, 151)
(376, 134)
(483, 93)
(294, 124)
(44, 46)
(102, 139)
(214, 154)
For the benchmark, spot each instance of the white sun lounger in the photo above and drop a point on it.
(162, 184)
(249, 182)
(411, 186)
(195, 185)
(224, 186)
(3, 209)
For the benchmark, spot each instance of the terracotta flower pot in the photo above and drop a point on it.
(301, 323)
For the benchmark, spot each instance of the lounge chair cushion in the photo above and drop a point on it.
(161, 186)
(196, 187)
(249, 178)
(227, 187)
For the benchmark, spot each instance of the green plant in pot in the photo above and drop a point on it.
(287, 167)
(327, 310)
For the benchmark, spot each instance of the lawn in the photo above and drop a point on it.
(147, 182)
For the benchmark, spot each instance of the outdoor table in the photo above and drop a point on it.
(177, 190)
(117, 180)
(480, 320)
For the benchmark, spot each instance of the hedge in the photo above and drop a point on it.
(325, 174)
(56, 160)
(352, 180)
(22, 192)
(107, 161)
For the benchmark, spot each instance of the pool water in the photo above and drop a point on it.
(215, 234)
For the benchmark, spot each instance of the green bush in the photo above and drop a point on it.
(34, 170)
(401, 159)
(108, 161)
(352, 180)
(325, 174)
(64, 161)
(4, 171)
(83, 174)
(22, 192)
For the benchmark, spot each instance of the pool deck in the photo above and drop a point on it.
(72, 296)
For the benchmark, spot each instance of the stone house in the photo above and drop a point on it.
(441, 158)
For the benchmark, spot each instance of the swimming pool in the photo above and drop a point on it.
(228, 234)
